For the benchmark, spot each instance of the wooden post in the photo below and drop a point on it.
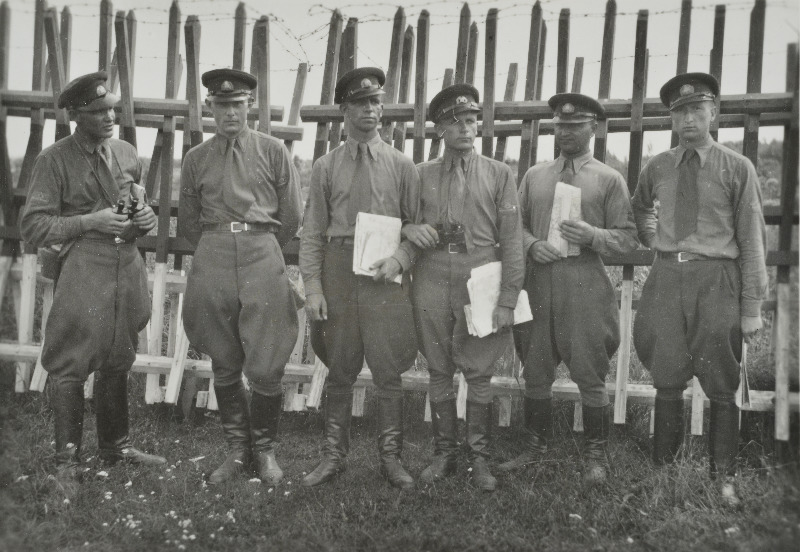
(562, 60)
(490, 62)
(421, 85)
(577, 75)
(297, 101)
(511, 90)
(472, 53)
(25, 319)
(461, 397)
(127, 128)
(55, 62)
(698, 402)
(782, 321)
(715, 64)
(755, 59)
(8, 248)
(329, 79)
(130, 27)
(39, 376)
(66, 40)
(348, 55)
(191, 32)
(261, 43)
(36, 134)
(683, 48)
(604, 91)
(462, 49)
(178, 359)
(239, 26)
(405, 85)
(436, 142)
(530, 129)
(392, 86)
(105, 49)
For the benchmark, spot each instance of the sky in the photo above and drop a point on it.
(299, 30)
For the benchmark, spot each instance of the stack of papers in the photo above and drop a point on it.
(484, 292)
(566, 206)
(376, 237)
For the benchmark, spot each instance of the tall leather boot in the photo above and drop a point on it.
(668, 428)
(339, 408)
(111, 406)
(66, 400)
(538, 430)
(596, 429)
(235, 418)
(478, 441)
(724, 445)
(445, 447)
(264, 415)
(390, 442)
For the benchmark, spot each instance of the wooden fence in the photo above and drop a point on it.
(166, 364)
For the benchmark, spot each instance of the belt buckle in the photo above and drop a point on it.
(237, 227)
(118, 240)
(680, 257)
(450, 247)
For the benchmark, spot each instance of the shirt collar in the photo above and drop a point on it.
(351, 144)
(577, 162)
(450, 159)
(702, 152)
(87, 144)
(242, 138)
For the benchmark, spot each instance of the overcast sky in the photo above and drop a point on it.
(299, 34)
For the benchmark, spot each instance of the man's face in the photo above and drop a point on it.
(573, 138)
(692, 121)
(459, 132)
(364, 114)
(230, 116)
(97, 125)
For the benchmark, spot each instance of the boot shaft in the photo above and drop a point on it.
(668, 429)
(265, 413)
(444, 420)
(67, 402)
(111, 406)
(390, 418)
(723, 438)
(478, 416)
(339, 409)
(596, 427)
(234, 415)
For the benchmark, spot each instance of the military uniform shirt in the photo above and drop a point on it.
(730, 222)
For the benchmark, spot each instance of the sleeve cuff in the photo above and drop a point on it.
(527, 243)
(751, 307)
(508, 299)
(312, 287)
(403, 258)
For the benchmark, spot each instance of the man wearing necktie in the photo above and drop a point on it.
(240, 205)
(101, 302)
(469, 217)
(358, 317)
(704, 291)
(574, 307)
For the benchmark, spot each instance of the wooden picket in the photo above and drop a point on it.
(406, 118)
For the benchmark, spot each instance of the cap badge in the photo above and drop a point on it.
(366, 83)
(686, 90)
(568, 108)
(100, 90)
(461, 100)
(226, 86)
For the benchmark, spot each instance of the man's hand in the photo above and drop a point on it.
(386, 269)
(750, 327)
(105, 221)
(145, 219)
(316, 307)
(502, 318)
(543, 252)
(577, 231)
(423, 236)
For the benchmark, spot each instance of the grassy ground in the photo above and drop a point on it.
(543, 507)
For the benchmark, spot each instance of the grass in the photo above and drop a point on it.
(544, 507)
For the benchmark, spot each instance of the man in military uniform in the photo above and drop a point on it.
(101, 300)
(469, 217)
(575, 316)
(240, 204)
(704, 291)
(357, 317)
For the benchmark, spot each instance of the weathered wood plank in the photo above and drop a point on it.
(421, 85)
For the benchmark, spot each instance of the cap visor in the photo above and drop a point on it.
(107, 101)
(228, 99)
(361, 95)
(693, 99)
(573, 121)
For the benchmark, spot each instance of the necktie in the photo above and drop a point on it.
(568, 173)
(686, 195)
(361, 189)
(104, 154)
(455, 203)
(236, 193)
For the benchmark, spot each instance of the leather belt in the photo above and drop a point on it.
(342, 240)
(105, 238)
(237, 227)
(683, 256)
(452, 247)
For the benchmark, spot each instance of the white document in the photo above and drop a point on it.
(376, 237)
(484, 292)
(566, 206)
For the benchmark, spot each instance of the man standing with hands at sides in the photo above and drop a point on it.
(77, 188)
(704, 291)
(470, 217)
(574, 306)
(357, 317)
(240, 204)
